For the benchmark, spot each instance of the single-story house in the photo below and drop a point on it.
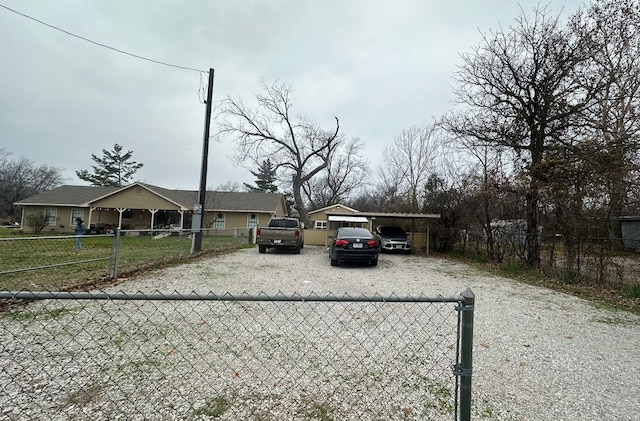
(141, 206)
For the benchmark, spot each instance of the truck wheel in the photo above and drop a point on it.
(374, 262)
(297, 250)
(262, 249)
(302, 245)
(334, 262)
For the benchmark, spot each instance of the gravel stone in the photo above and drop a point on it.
(538, 354)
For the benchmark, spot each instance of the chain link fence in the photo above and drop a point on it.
(54, 263)
(105, 356)
(599, 260)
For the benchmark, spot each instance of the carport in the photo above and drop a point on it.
(341, 220)
(336, 219)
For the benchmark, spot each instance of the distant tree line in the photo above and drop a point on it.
(21, 178)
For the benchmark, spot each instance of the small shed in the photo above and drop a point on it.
(630, 228)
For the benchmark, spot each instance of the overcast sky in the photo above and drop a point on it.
(379, 66)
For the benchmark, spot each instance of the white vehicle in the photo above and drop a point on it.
(392, 238)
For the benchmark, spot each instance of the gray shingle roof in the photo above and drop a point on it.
(68, 196)
(82, 196)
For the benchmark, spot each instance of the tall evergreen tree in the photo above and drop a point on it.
(265, 178)
(115, 168)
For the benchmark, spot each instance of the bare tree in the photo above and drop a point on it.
(344, 175)
(411, 157)
(229, 186)
(22, 178)
(298, 148)
(613, 123)
(519, 90)
(449, 198)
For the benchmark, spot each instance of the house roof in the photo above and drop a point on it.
(83, 196)
(68, 196)
(335, 208)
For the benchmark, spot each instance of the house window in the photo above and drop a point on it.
(218, 223)
(320, 225)
(76, 213)
(252, 220)
(51, 216)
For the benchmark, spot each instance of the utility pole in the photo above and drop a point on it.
(198, 211)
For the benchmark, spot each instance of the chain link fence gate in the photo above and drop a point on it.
(105, 356)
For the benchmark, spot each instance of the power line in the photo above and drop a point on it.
(103, 45)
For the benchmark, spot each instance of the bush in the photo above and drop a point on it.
(36, 221)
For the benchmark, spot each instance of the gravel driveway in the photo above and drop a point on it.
(538, 354)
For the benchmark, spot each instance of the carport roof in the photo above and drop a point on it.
(347, 218)
(396, 215)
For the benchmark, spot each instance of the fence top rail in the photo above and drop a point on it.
(210, 296)
(53, 237)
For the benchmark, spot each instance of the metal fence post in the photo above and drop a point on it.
(465, 366)
(116, 254)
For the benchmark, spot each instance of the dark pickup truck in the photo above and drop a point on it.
(281, 233)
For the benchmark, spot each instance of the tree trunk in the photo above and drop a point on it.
(303, 215)
(533, 239)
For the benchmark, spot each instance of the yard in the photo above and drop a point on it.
(538, 354)
(52, 263)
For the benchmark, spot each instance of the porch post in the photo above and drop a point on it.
(153, 218)
(121, 211)
(91, 208)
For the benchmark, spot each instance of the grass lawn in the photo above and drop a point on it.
(48, 262)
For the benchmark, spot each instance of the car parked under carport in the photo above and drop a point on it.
(392, 238)
(356, 245)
